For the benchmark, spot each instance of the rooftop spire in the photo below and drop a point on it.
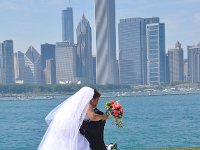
(69, 3)
(83, 15)
(178, 44)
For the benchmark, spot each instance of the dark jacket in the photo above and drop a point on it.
(94, 132)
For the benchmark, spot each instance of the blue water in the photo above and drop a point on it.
(150, 122)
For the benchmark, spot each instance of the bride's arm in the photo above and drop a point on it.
(95, 117)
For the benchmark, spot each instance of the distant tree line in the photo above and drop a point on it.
(72, 88)
(57, 88)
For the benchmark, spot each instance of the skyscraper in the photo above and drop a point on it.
(19, 66)
(6, 62)
(105, 42)
(50, 71)
(176, 63)
(65, 63)
(94, 68)
(84, 51)
(156, 63)
(32, 66)
(131, 50)
(48, 53)
(185, 69)
(167, 69)
(68, 26)
(151, 20)
(194, 63)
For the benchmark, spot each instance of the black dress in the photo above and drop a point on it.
(94, 132)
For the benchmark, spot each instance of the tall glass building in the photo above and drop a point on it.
(6, 62)
(48, 55)
(68, 26)
(194, 63)
(131, 50)
(105, 42)
(156, 62)
(84, 51)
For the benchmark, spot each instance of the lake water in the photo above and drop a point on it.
(150, 122)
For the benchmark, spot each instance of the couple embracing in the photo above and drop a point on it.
(76, 124)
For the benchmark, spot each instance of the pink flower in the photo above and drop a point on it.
(115, 113)
(121, 110)
(116, 105)
(116, 110)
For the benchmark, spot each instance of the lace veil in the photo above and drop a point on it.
(65, 120)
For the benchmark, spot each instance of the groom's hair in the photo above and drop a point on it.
(96, 94)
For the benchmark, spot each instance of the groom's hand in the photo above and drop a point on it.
(105, 117)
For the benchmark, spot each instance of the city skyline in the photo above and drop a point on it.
(36, 22)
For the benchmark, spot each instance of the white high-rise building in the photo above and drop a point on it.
(156, 57)
(185, 70)
(176, 63)
(106, 72)
(194, 63)
(50, 72)
(65, 55)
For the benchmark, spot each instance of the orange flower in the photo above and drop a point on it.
(112, 102)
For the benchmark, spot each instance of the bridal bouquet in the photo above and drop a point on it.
(115, 109)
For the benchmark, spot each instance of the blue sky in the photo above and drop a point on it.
(34, 22)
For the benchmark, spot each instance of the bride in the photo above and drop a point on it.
(66, 119)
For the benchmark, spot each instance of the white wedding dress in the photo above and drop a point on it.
(64, 123)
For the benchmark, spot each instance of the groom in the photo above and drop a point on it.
(94, 132)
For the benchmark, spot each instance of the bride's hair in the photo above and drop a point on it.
(96, 94)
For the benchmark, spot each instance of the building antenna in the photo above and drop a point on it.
(69, 3)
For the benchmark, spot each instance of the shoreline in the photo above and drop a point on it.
(60, 96)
